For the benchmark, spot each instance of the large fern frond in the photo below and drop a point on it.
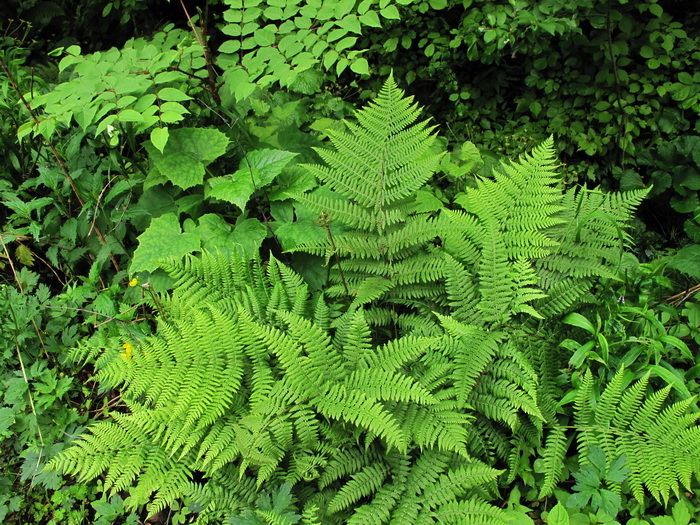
(376, 167)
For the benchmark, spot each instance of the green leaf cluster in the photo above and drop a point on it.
(401, 400)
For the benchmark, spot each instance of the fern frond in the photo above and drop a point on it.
(471, 512)
(363, 483)
(376, 167)
(553, 460)
(660, 441)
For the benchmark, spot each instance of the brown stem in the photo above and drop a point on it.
(56, 155)
(202, 41)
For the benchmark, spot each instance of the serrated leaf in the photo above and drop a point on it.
(7, 419)
(268, 162)
(558, 515)
(257, 169)
(24, 255)
(161, 240)
(236, 189)
(617, 472)
(213, 232)
(249, 235)
(186, 153)
(687, 260)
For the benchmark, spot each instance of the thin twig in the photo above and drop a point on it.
(56, 155)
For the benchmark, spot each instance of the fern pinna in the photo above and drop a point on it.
(259, 402)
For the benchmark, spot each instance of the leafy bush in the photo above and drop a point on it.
(614, 81)
(361, 405)
(432, 324)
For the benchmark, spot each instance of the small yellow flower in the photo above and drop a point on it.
(133, 282)
(128, 351)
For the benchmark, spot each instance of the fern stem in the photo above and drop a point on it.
(324, 220)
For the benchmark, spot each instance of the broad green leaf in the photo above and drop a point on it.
(390, 12)
(292, 181)
(230, 46)
(341, 65)
(159, 138)
(576, 319)
(236, 189)
(102, 126)
(244, 90)
(174, 107)
(268, 162)
(161, 240)
(249, 235)
(360, 66)
(343, 7)
(129, 115)
(558, 515)
(351, 23)
(68, 61)
(345, 43)
(24, 130)
(7, 419)
(308, 82)
(258, 169)
(264, 37)
(680, 513)
(170, 117)
(330, 58)
(687, 260)
(215, 234)
(103, 508)
(172, 95)
(336, 34)
(371, 18)
(186, 153)
(673, 379)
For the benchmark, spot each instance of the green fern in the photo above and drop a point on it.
(392, 395)
(661, 442)
(375, 168)
(240, 382)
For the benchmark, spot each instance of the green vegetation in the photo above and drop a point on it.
(245, 279)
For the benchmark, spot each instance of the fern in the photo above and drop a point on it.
(660, 441)
(240, 379)
(398, 393)
(376, 167)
